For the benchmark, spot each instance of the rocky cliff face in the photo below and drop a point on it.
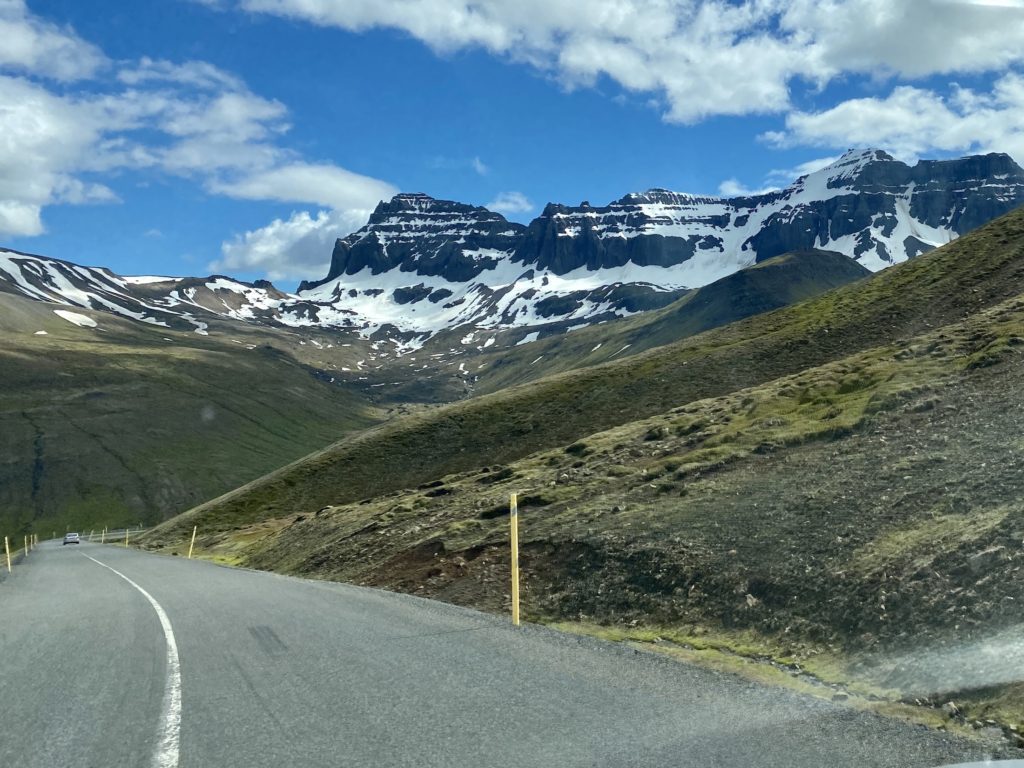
(867, 205)
(421, 265)
(416, 233)
(881, 211)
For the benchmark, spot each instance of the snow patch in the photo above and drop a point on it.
(147, 279)
(82, 321)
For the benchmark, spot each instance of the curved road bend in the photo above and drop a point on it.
(276, 671)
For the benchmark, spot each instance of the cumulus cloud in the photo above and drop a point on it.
(34, 46)
(46, 138)
(190, 120)
(510, 202)
(297, 247)
(19, 218)
(702, 57)
(52, 142)
(913, 38)
(912, 121)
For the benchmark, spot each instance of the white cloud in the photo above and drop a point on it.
(44, 141)
(912, 121)
(49, 140)
(35, 46)
(510, 202)
(734, 188)
(700, 57)
(199, 74)
(297, 247)
(912, 38)
(304, 182)
(191, 120)
(18, 218)
(480, 167)
(72, 191)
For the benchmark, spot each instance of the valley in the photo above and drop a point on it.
(122, 423)
(799, 461)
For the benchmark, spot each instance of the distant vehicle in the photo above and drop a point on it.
(72, 538)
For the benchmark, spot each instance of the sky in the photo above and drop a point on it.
(188, 137)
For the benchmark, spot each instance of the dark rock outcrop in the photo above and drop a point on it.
(417, 233)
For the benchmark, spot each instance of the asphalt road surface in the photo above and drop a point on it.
(273, 671)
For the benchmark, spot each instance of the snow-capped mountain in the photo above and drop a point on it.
(420, 266)
(183, 303)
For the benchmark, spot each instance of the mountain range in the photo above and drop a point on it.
(422, 268)
(430, 302)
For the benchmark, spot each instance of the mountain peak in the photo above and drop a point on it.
(406, 203)
(863, 154)
(659, 195)
(417, 233)
(852, 163)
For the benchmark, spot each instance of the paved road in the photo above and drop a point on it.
(277, 671)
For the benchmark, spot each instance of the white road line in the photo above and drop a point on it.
(170, 728)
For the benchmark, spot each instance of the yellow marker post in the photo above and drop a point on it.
(7, 551)
(126, 538)
(513, 514)
(90, 535)
(103, 535)
(194, 529)
(26, 546)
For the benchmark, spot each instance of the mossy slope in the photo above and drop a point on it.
(949, 284)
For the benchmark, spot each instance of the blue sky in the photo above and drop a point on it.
(186, 136)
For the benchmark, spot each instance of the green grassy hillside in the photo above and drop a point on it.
(960, 279)
(861, 520)
(900, 460)
(128, 423)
